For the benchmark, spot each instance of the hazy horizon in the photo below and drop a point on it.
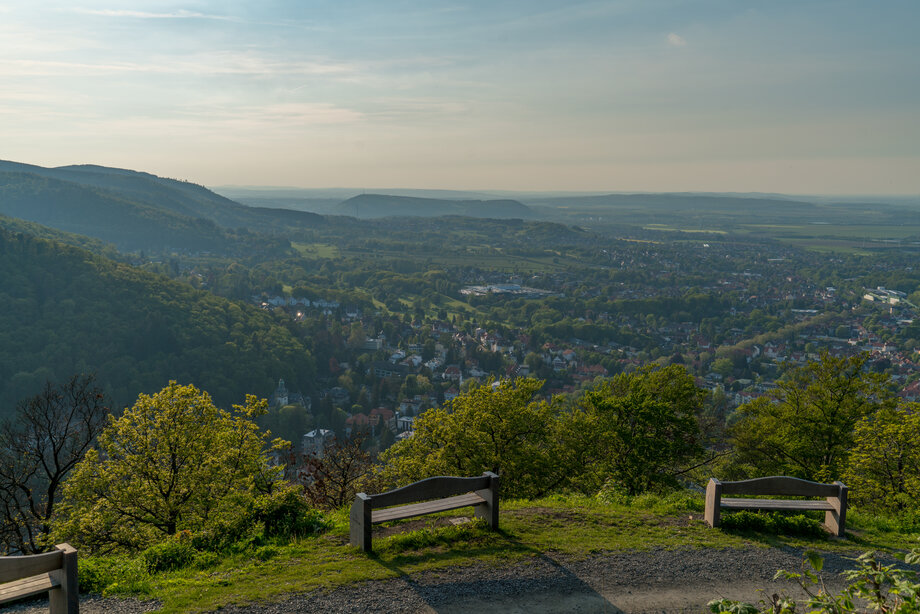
(794, 98)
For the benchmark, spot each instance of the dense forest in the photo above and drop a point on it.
(68, 311)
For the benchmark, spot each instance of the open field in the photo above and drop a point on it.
(316, 250)
(863, 232)
(673, 228)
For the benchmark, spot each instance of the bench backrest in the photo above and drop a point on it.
(438, 487)
(16, 567)
(781, 485)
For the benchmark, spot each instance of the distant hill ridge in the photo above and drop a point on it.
(674, 200)
(384, 205)
(131, 209)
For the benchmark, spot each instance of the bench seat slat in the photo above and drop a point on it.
(27, 587)
(775, 504)
(426, 507)
(16, 567)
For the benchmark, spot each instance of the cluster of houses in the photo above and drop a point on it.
(574, 362)
(513, 290)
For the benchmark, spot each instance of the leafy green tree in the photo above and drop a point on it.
(723, 366)
(636, 431)
(172, 462)
(498, 428)
(806, 429)
(884, 467)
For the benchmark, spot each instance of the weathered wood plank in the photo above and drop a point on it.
(66, 598)
(452, 492)
(53, 572)
(775, 504)
(489, 510)
(360, 524)
(427, 507)
(834, 504)
(27, 587)
(780, 485)
(15, 567)
(432, 488)
(836, 519)
(713, 498)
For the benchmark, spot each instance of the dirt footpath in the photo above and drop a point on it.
(632, 582)
(655, 581)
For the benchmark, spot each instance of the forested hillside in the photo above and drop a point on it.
(140, 212)
(96, 246)
(66, 311)
(96, 213)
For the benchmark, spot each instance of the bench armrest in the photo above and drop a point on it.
(488, 511)
(835, 520)
(713, 502)
(65, 599)
(361, 523)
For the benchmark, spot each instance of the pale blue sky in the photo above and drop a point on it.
(718, 95)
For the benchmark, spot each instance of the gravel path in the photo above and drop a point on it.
(654, 581)
(89, 604)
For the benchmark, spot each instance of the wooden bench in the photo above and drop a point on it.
(54, 573)
(834, 506)
(438, 494)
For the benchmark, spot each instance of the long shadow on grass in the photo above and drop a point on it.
(819, 542)
(529, 580)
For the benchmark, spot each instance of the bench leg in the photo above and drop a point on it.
(835, 520)
(361, 522)
(713, 502)
(65, 599)
(489, 510)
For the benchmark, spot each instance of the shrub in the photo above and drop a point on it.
(108, 574)
(206, 560)
(286, 514)
(775, 523)
(873, 587)
(173, 553)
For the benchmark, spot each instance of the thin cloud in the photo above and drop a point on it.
(209, 64)
(401, 108)
(675, 40)
(44, 68)
(180, 14)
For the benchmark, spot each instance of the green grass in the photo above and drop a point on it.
(856, 239)
(674, 228)
(828, 246)
(316, 251)
(860, 232)
(566, 526)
